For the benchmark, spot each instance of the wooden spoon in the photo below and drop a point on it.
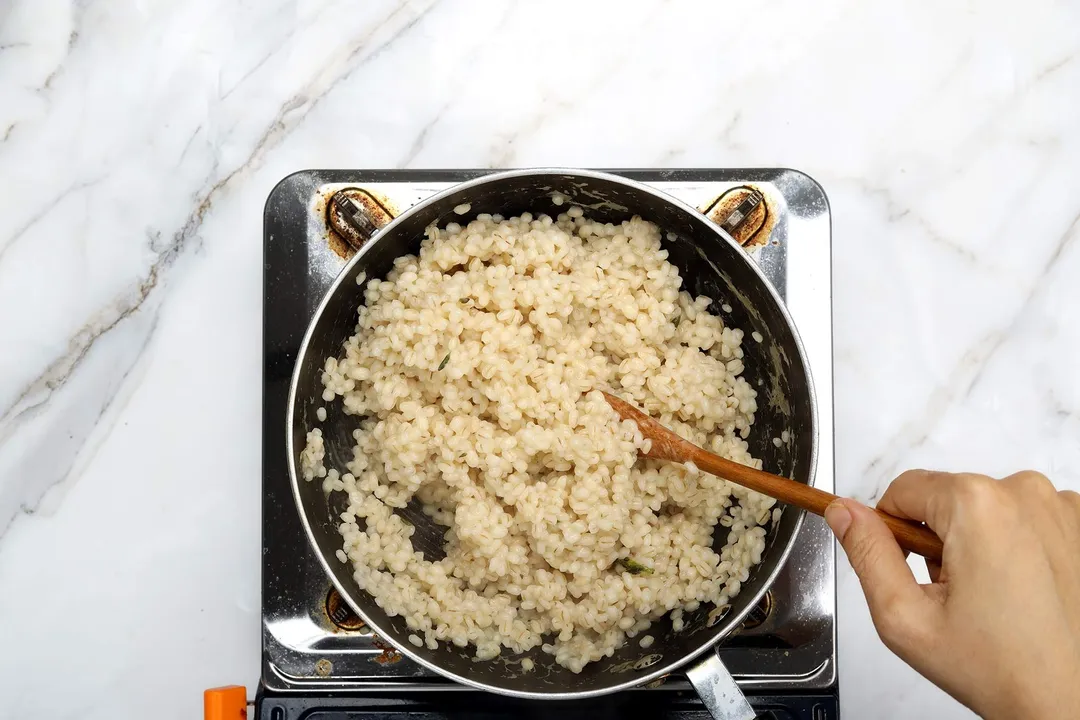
(666, 445)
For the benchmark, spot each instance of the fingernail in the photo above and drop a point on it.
(839, 518)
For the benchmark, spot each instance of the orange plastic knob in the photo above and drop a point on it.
(225, 703)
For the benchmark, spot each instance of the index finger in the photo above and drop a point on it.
(922, 495)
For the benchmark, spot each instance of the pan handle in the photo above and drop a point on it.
(717, 689)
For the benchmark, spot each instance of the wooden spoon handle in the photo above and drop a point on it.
(666, 445)
(911, 536)
(914, 536)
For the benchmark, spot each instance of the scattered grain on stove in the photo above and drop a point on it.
(462, 208)
(785, 436)
(777, 442)
(726, 308)
(758, 337)
(512, 447)
(321, 414)
(646, 642)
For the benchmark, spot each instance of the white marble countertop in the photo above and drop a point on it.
(138, 140)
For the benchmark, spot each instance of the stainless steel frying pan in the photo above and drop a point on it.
(711, 264)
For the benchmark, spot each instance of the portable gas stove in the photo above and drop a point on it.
(318, 658)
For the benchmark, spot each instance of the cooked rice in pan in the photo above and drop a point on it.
(476, 367)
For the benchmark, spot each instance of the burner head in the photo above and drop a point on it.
(354, 216)
(341, 614)
(744, 213)
(760, 613)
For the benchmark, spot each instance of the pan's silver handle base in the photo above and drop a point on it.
(717, 689)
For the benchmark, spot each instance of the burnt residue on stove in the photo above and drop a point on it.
(353, 216)
(388, 655)
(745, 213)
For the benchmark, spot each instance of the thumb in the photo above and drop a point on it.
(898, 606)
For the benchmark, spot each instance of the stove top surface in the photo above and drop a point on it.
(316, 651)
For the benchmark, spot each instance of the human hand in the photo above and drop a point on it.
(999, 626)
